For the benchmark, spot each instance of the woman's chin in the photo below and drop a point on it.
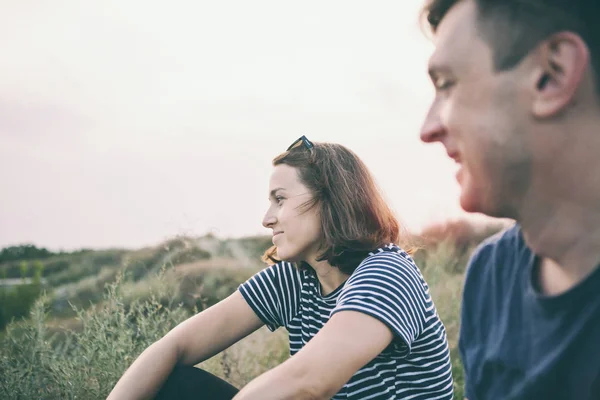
(281, 255)
(285, 256)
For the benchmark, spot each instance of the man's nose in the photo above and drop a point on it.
(433, 130)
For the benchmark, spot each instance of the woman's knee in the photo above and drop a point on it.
(194, 383)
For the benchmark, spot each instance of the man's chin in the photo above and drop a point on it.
(473, 204)
(469, 203)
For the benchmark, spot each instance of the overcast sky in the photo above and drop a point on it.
(125, 122)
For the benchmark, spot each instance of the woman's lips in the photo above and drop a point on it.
(275, 235)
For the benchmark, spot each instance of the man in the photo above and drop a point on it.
(517, 106)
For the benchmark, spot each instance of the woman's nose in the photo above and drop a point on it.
(269, 219)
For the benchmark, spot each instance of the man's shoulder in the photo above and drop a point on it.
(492, 278)
(496, 258)
(510, 237)
(506, 243)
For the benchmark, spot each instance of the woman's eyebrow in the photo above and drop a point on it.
(274, 192)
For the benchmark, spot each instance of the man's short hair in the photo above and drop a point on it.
(514, 27)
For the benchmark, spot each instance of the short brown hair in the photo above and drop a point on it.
(514, 27)
(355, 219)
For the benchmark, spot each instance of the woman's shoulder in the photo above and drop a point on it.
(285, 266)
(390, 256)
(283, 270)
(390, 269)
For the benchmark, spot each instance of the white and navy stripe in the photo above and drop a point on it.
(386, 285)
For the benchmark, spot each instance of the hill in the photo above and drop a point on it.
(102, 308)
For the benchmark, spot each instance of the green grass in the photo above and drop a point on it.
(86, 363)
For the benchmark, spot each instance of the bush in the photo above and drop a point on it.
(16, 301)
(208, 287)
(84, 364)
(23, 252)
(83, 265)
(102, 259)
(189, 255)
(139, 267)
(55, 266)
(255, 246)
(87, 363)
(22, 269)
(462, 234)
(77, 270)
(443, 267)
(82, 293)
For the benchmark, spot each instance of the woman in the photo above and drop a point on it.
(360, 319)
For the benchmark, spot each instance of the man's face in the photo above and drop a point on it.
(479, 115)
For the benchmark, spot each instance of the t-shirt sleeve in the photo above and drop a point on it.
(272, 293)
(389, 287)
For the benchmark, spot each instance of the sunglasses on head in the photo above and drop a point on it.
(301, 141)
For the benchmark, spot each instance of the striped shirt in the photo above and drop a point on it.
(386, 285)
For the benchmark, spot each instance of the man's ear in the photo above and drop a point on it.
(561, 62)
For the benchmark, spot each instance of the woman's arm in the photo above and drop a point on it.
(347, 342)
(193, 341)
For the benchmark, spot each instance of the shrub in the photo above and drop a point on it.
(206, 288)
(255, 246)
(78, 269)
(109, 257)
(16, 301)
(189, 255)
(443, 267)
(87, 363)
(23, 252)
(462, 234)
(55, 266)
(84, 364)
(82, 293)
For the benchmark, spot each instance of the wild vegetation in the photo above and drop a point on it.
(79, 319)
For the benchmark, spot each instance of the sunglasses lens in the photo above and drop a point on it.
(307, 143)
(297, 143)
(301, 141)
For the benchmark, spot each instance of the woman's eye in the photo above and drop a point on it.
(279, 199)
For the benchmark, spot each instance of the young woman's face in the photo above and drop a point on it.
(296, 230)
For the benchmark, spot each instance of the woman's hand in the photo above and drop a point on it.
(347, 342)
(193, 341)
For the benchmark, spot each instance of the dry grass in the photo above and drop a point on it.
(44, 355)
(250, 357)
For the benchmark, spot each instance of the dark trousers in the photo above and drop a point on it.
(187, 383)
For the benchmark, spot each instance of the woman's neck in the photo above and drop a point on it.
(329, 277)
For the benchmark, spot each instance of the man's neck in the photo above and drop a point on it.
(566, 237)
(560, 215)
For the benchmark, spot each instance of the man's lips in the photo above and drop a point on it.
(455, 156)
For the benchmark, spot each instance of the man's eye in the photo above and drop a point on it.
(279, 199)
(442, 83)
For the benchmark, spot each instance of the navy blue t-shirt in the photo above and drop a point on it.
(516, 343)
